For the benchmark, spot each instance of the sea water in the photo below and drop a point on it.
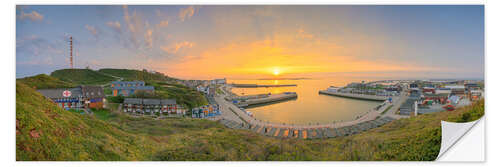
(310, 107)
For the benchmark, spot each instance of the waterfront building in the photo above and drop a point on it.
(414, 86)
(76, 98)
(356, 85)
(472, 86)
(203, 89)
(443, 91)
(219, 81)
(475, 94)
(127, 88)
(437, 98)
(333, 89)
(206, 111)
(429, 90)
(393, 88)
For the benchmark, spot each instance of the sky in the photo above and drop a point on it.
(250, 42)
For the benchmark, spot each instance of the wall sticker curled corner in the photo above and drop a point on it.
(451, 132)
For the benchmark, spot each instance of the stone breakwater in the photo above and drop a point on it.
(268, 99)
(355, 96)
(258, 86)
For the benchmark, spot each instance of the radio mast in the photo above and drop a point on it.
(71, 51)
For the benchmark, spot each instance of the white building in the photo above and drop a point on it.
(455, 86)
(333, 89)
(219, 81)
(443, 91)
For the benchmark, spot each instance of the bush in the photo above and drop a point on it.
(115, 99)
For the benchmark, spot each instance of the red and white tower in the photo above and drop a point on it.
(71, 51)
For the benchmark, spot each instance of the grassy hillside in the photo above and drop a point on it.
(82, 76)
(131, 75)
(45, 132)
(43, 81)
(185, 96)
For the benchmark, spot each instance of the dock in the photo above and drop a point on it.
(355, 96)
(268, 99)
(259, 86)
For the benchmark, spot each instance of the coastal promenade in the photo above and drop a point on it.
(233, 113)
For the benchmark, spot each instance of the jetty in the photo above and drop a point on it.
(266, 99)
(258, 86)
(355, 96)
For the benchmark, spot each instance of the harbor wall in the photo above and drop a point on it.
(355, 96)
(270, 99)
(257, 86)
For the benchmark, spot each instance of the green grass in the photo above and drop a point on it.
(43, 81)
(47, 132)
(115, 99)
(82, 76)
(131, 75)
(65, 135)
(103, 114)
(184, 95)
(107, 90)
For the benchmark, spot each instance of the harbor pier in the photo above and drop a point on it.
(355, 96)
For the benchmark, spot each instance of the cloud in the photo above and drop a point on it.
(148, 38)
(33, 16)
(135, 25)
(92, 30)
(116, 26)
(174, 48)
(301, 33)
(34, 50)
(163, 23)
(186, 13)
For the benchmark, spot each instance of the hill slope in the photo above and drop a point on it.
(43, 81)
(82, 76)
(46, 132)
(131, 75)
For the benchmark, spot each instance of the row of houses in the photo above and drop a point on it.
(150, 106)
(83, 97)
(76, 98)
(127, 88)
(430, 99)
(206, 111)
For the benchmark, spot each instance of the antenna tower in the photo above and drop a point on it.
(71, 51)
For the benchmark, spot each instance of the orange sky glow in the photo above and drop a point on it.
(285, 55)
